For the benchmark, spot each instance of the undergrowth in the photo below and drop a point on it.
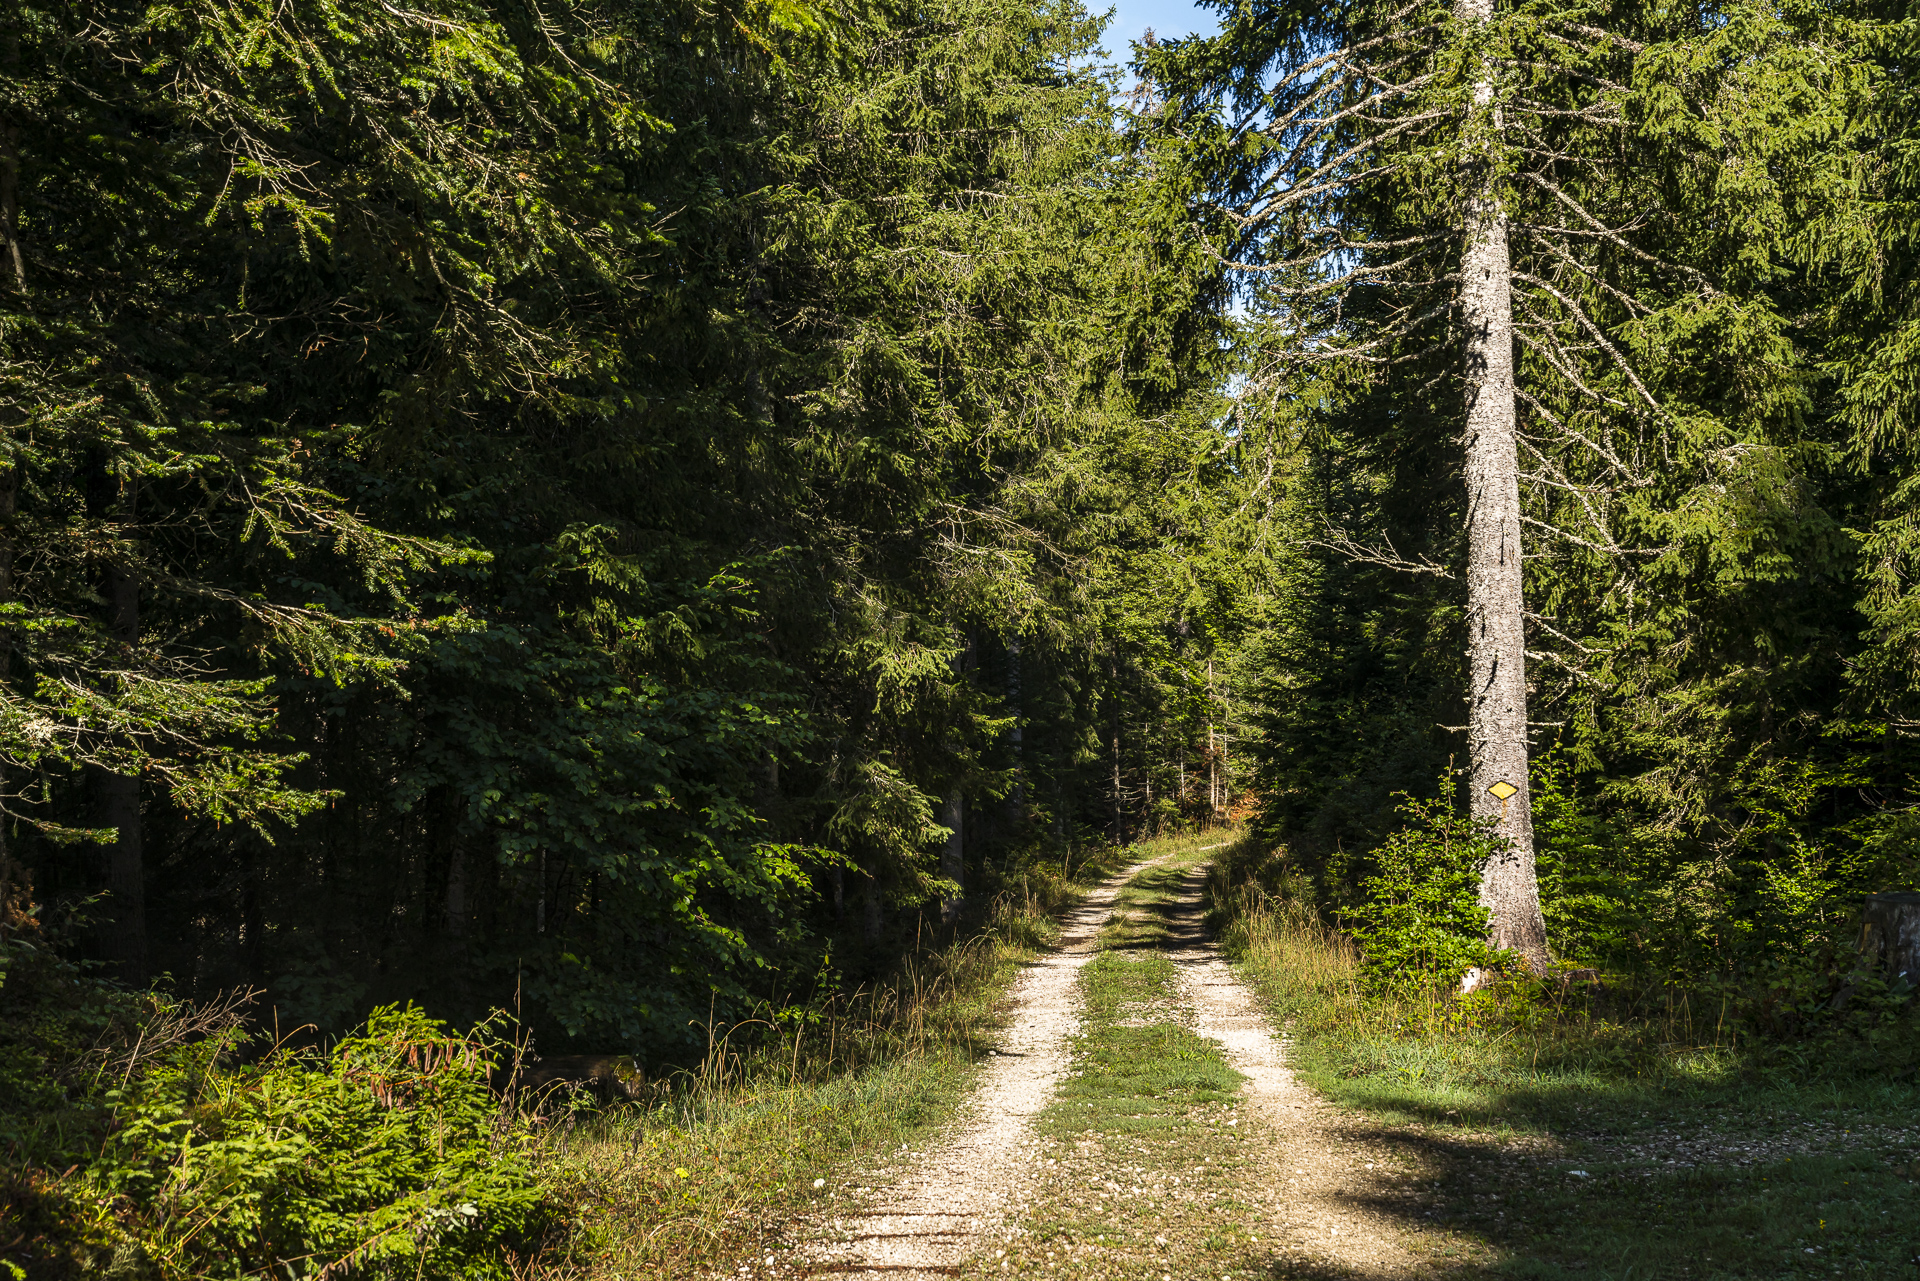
(720, 1160)
(1607, 1126)
(147, 1139)
(150, 1140)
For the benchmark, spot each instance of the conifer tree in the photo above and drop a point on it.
(1500, 214)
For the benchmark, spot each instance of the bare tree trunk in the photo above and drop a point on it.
(116, 804)
(1213, 761)
(16, 262)
(1017, 798)
(953, 865)
(1496, 630)
(1213, 780)
(9, 493)
(1226, 775)
(1113, 688)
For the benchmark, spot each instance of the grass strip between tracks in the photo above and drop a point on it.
(1141, 1166)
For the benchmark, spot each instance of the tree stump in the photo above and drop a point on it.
(1890, 936)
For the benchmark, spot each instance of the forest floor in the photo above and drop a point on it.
(1142, 1120)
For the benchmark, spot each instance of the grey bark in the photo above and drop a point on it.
(1017, 798)
(953, 863)
(1496, 621)
(1113, 696)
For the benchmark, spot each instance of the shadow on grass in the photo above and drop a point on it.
(1565, 1172)
(1496, 1211)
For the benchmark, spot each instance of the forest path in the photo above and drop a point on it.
(1181, 1146)
(1140, 1123)
(938, 1211)
(1321, 1197)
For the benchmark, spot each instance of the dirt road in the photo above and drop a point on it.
(1270, 1180)
(949, 1200)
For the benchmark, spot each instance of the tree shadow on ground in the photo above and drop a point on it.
(1482, 1205)
(1612, 1180)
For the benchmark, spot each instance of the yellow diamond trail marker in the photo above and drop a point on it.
(1503, 789)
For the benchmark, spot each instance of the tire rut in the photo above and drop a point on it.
(940, 1208)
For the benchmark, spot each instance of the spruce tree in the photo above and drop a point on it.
(1499, 223)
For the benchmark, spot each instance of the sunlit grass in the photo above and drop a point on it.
(714, 1164)
(1600, 1138)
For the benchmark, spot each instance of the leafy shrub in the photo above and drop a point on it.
(386, 1155)
(1420, 920)
(380, 1156)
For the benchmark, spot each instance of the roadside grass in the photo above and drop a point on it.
(1558, 1140)
(1138, 1147)
(715, 1166)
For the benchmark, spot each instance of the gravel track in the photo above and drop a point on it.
(939, 1213)
(942, 1206)
(1314, 1183)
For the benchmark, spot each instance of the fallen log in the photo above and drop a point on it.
(608, 1077)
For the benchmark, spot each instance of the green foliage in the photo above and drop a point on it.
(1710, 409)
(585, 492)
(1593, 894)
(387, 1154)
(384, 1155)
(1420, 921)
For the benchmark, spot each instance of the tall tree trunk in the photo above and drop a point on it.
(953, 862)
(1180, 774)
(116, 804)
(1213, 760)
(1226, 774)
(1017, 798)
(1496, 630)
(1113, 697)
(16, 261)
(9, 493)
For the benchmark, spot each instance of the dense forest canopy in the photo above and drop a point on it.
(628, 509)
